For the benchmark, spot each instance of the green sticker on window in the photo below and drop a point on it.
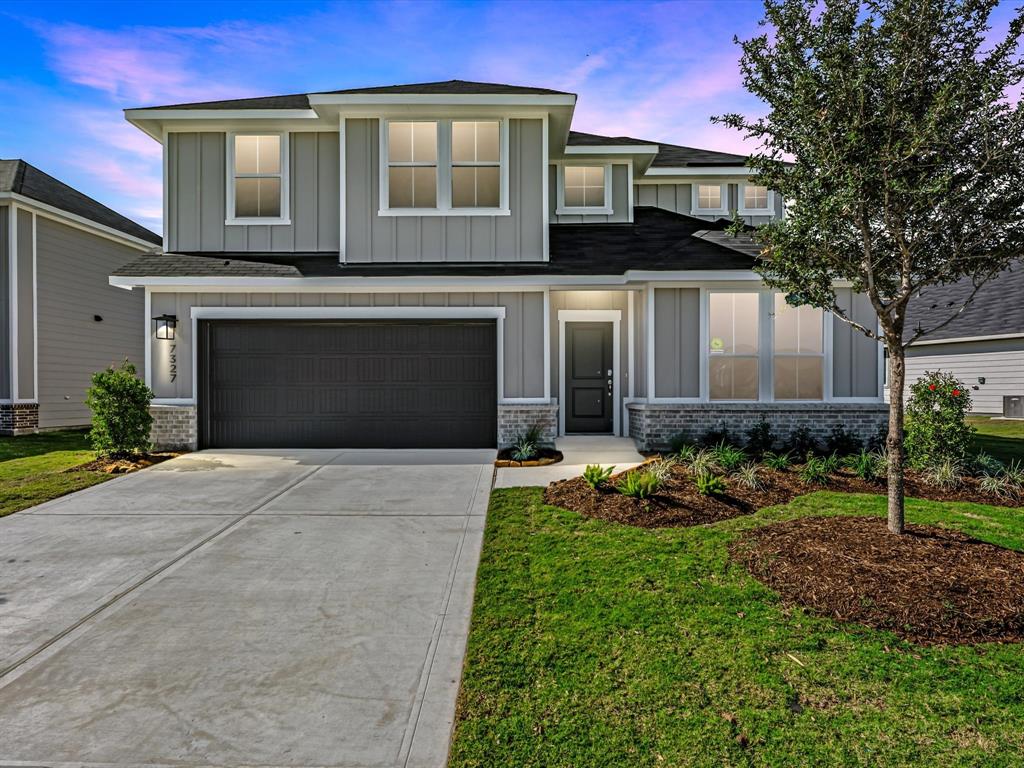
(717, 345)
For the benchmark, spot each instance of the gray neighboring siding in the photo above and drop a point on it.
(854, 355)
(999, 361)
(26, 309)
(374, 238)
(677, 342)
(620, 200)
(197, 179)
(73, 269)
(5, 326)
(523, 343)
(676, 197)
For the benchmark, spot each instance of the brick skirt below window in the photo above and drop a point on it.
(19, 418)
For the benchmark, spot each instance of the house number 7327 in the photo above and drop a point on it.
(172, 359)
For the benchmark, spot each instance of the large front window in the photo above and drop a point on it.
(733, 346)
(476, 164)
(799, 347)
(257, 177)
(412, 164)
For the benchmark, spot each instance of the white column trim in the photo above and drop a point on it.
(12, 292)
(147, 335)
(342, 202)
(35, 314)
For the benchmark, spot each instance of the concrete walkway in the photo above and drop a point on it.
(577, 452)
(304, 608)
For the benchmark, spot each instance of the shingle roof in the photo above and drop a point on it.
(669, 155)
(19, 177)
(301, 100)
(656, 240)
(997, 309)
(580, 139)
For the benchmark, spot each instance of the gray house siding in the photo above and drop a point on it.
(613, 300)
(854, 355)
(197, 197)
(999, 361)
(620, 200)
(523, 362)
(72, 288)
(26, 308)
(371, 237)
(5, 313)
(676, 342)
(677, 197)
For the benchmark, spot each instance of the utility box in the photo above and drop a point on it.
(1013, 406)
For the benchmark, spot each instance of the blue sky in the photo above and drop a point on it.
(654, 70)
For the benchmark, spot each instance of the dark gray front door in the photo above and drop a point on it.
(588, 371)
(348, 384)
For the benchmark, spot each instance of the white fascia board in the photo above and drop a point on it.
(617, 149)
(131, 115)
(964, 339)
(354, 313)
(78, 222)
(722, 170)
(415, 99)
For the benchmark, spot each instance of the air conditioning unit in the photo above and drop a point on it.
(1013, 406)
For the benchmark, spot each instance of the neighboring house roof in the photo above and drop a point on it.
(997, 309)
(301, 100)
(18, 177)
(669, 155)
(656, 240)
(580, 139)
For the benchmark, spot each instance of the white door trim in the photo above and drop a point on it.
(613, 316)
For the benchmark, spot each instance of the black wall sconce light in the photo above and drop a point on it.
(981, 379)
(164, 326)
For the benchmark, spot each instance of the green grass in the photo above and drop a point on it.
(596, 644)
(1002, 438)
(34, 468)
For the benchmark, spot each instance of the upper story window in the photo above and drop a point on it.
(799, 351)
(733, 345)
(439, 167)
(584, 189)
(710, 198)
(258, 179)
(755, 198)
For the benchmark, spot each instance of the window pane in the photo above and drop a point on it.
(488, 187)
(400, 187)
(733, 378)
(584, 186)
(574, 176)
(269, 154)
(412, 187)
(400, 142)
(475, 141)
(463, 142)
(487, 143)
(594, 196)
(270, 197)
(593, 177)
(476, 187)
(247, 197)
(745, 322)
(424, 187)
(787, 335)
(811, 330)
(574, 197)
(424, 142)
(709, 196)
(246, 153)
(755, 196)
(799, 378)
(463, 187)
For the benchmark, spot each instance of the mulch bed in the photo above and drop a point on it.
(677, 502)
(930, 586)
(123, 466)
(544, 457)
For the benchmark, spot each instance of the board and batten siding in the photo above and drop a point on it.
(371, 237)
(72, 290)
(676, 342)
(854, 355)
(999, 361)
(620, 200)
(678, 198)
(523, 326)
(197, 197)
(26, 308)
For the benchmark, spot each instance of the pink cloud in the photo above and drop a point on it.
(131, 179)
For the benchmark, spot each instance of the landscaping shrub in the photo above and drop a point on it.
(842, 441)
(831, 463)
(814, 471)
(662, 469)
(702, 461)
(945, 474)
(936, 424)
(639, 485)
(777, 461)
(998, 485)
(801, 442)
(685, 452)
(866, 465)
(1014, 472)
(728, 457)
(524, 449)
(709, 484)
(987, 464)
(595, 475)
(121, 421)
(749, 476)
(760, 438)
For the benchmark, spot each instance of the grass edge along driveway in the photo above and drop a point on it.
(40, 467)
(594, 644)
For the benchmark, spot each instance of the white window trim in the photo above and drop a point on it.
(444, 170)
(695, 197)
(744, 211)
(561, 209)
(285, 217)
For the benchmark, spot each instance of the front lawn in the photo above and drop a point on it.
(1003, 438)
(37, 468)
(597, 644)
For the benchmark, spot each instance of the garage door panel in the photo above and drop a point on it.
(348, 384)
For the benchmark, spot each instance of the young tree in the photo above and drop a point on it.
(892, 134)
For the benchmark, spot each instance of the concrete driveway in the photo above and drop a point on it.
(256, 608)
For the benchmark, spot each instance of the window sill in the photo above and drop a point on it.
(755, 212)
(258, 220)
(709, 212)
(605, 211)
(444, 212)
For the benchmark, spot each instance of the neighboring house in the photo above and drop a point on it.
(983, 347)
(447, 264)
(60, 320)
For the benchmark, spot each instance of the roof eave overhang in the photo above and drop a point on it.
(640, 155)
(153, 122)
(705, 170)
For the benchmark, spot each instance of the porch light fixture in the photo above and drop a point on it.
(165, 325)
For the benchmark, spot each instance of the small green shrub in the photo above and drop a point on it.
(523, 449)
(709, 484)
(639, 485)
(936, 425)
(728, 457)
(945, 474)
(831, 463)
(1014, 472)
(865, 465)
(801, 442)
(121, 421)
(685, 452)
(535, 434)
(842, 441)
(702, 461)
(998, 485)
(760, 438)
(662, 468)
(814, 471)
(595, 475)
(987, 464)
(749, 476)
(777, 461)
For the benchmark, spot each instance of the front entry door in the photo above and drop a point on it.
(589, 377)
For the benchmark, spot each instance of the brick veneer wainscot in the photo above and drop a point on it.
(19, 418)
(514, 420)
(175, 427)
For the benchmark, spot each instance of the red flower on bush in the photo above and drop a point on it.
(931, 387)
(956, 393)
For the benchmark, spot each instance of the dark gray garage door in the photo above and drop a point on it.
(347, 384)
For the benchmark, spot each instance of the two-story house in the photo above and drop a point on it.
(446, 264)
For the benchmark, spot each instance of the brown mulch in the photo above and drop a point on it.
(544, 457)
(122, 466)
(930, 586)
(677, 502)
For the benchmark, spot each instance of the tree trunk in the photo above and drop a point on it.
(894, 439)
